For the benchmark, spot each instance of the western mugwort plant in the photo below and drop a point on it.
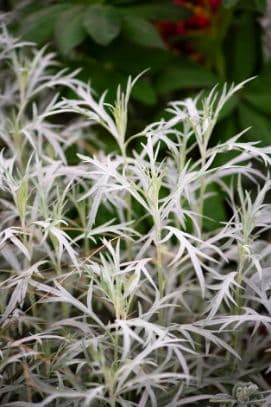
(113, 292)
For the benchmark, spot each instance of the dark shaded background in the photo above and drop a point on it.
(188, 45)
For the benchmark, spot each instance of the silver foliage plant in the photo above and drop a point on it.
(143, 306)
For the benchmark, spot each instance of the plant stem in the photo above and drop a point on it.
(64, 306)
(128, 200)
(159, 267)
(201, 202)
(202, 185)
(159, 264)
(238, 299)
(129, 219)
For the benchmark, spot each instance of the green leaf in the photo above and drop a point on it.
(39, 26)
(214, 209)
(258, 93)
(260, 123)
(253, 5)
(229, 107)
(144, 93)
(69, 31)
(142, 32)
(224, 130)
(261, 101)
(158, 11)
(244, 52)
(102, 23)
(230, 3)
(260, 5)
(137, 58)
(185, 76)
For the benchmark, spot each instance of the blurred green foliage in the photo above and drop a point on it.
(109, 40)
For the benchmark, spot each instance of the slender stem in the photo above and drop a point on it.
(83, 216)
(26, 264)
(182, 156)
(201, 202)
(112, 400)
(64, 306)
(202, 185)
(238, 297)
(238, 305)
(160, 274)
(128, 200)
(159, 265)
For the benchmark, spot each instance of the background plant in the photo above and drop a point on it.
(211, 40)
(113, 289)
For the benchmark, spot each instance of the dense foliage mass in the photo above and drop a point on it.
(114, 290)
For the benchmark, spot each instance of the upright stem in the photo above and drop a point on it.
(201, 202)
(238, 298)
(200, 213)
(159, 264)
(203, 152)
(202, 187)
(129, 219)
(159, 267)
(27, 263)
(63, 305)
(128, 201)
(83, 216)
(159, 259)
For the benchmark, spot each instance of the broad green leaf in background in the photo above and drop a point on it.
(244, 53)
(137, 58)
(39, 26)
(185, 76)
(225, 129)
(229, 108)
(258, 92)
(214, 208)
(260, 100)
(144, 93)
(260, 123)
(69, 31)
(258, 5)
(230, 3)
(141, 31)
(103, 23)
(158, 11)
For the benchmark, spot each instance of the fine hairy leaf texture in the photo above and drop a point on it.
(115, 290)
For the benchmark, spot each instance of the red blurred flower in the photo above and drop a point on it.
(214, 4)
(203, 15)
(166, 28)
(197, 21)
(180, 28)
